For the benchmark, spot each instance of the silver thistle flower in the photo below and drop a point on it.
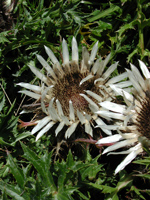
(70, 93)
(134, 117)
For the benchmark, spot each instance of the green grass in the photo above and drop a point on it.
(35, 170)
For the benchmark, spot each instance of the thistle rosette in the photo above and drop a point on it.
(132, 119)
(70, 92)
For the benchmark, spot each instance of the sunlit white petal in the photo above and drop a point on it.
(90, 101)
(107, 60)
(100, 122)
(71, 113)
(113, 106)
(138, 76)
(110, 70)
(110, 139)
(38, 74)
(65, 52)
(59, 107)
(94, 95)
(51, 55)
(71, 129)
(122, 92)
(110, 127)
(28, 86)
(118, 78)
(85, 58)
(41, 124)
(144, 69)
(43, 97)
(52, 111)
(65, 119)
(119, 145)
(46, 66)
(44, 130)
(127, 160)
(75, 55)
(88, 129)
(59, 128)
(124, 84)
(93, 53)
(81, 117)
(96, 66)
(110, 115)
(86, 79)
(30, 94)
(135, 83)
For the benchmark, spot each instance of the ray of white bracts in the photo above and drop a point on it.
(113, 110)
(120, 141)
(122, 113)
(54, 114)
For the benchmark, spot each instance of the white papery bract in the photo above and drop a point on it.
(133, 126)
(70, 92)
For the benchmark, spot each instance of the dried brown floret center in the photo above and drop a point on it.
(143, 118)
(69, 88)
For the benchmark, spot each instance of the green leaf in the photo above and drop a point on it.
(61, 179)
(145, 161)
(61, 196)
(12, 192)
(147, 176)
(82, 195)
(41, 166)
(69, 161)
(124, 182)
(91, 168)
(90, 172)
(4, 196)
(66, 193)
(20, 137)
(3, 39)
(16, 171)
(106, 189)
(113, 197)
(2, 104)
(38, 189)
(135, 51)
(4, 170)
(125, 27)
(145, 22)
(137, 191)
(7, 122)
(63, 175)
(2, 142)
(104, 13)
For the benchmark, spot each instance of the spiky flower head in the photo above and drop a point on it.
(134, 124)
(70, 92)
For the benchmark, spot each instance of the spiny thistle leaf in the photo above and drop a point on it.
(40, 165)
(13, 192)
(16, 171)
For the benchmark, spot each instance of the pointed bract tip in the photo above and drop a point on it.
(96, 44)
(22, 112)
(64, 40)
(74, 39)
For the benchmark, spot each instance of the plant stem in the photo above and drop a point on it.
(140, 28)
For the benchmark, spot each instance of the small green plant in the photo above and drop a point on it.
(42, 179)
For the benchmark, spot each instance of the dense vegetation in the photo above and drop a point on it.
(44, 169)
